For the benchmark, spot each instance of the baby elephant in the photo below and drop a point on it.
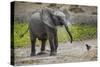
(42, 25)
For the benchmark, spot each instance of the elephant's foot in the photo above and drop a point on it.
(41, 53)
(53, 53)
(33, 54)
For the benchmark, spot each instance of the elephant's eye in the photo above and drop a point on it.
(59, 18)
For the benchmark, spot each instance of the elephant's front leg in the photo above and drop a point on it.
(52, 44)
(56, 40)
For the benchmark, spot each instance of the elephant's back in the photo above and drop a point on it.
(35, 17)
(36, 24)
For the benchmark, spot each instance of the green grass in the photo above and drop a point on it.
(20, 28)
(79, 32)
(84, 32)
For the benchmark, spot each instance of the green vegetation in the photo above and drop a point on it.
(84, 32)
(79, 32)
(20, 28)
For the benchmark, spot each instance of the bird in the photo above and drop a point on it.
(88, 47)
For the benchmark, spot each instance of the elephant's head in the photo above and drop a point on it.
(54, 18)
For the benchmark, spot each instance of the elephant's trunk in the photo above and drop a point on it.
(66, 27)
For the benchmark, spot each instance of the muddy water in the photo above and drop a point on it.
(67, 52)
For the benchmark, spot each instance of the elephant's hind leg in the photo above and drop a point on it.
(33, 41)
(42, 47)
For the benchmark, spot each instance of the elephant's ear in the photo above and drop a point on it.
(46, 15)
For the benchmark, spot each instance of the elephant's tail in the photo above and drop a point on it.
(21, 35)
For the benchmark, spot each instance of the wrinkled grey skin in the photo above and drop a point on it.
(43, 26)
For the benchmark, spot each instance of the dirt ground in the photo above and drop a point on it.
(67, 52)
